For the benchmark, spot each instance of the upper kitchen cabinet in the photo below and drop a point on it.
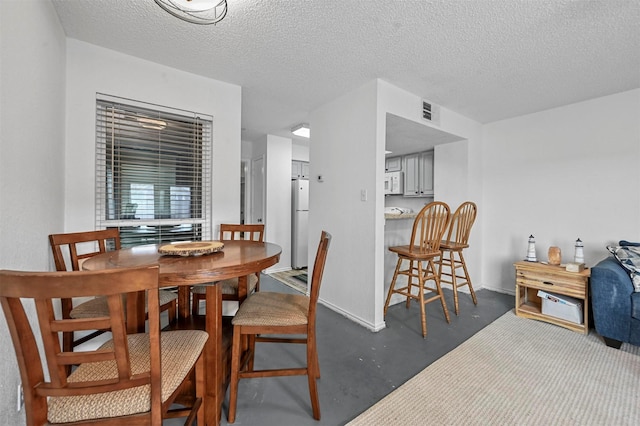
(299, 169)
(393, 164)
(418, 174)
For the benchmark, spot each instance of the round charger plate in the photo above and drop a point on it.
(195, 248)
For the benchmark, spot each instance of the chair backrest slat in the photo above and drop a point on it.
(45, 287)
(61, 243)
(429, 227)
(461, 223)
(252, 232)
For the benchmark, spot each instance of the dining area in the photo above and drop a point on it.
(165, 353)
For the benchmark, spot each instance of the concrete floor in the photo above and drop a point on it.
(358, 367)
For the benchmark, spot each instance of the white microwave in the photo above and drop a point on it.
(393, 183)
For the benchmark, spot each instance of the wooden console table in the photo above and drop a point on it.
(534, 276)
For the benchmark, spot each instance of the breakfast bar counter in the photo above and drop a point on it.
(392, 216)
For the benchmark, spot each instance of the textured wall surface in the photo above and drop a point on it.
(32, 52)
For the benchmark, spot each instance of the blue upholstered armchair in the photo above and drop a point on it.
(616, 307)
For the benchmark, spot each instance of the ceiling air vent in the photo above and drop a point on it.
(430, 112)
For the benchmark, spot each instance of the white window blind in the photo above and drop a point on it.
(153, 172)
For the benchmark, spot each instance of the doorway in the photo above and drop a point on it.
(244, 168)
(257, 190)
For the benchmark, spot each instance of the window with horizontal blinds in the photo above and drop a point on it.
(153, 172)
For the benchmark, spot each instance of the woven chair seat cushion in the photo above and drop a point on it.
(97, 307)
(273, 309)
(229, 286)
(180, 351)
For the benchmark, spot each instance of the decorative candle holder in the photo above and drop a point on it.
(531, 250)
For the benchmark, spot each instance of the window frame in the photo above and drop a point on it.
(199, 146)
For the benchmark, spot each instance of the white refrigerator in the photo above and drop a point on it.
(299, 223)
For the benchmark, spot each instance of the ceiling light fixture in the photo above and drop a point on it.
(203, 12)
(301, 130)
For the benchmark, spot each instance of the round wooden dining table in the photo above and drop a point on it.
(238, 258)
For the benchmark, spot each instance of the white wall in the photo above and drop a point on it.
(32, 97)
(278, 198)
(560, 174)
(344, 150)
(300, 152)
(92, 69)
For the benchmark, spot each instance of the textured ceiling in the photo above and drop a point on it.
(487, 60)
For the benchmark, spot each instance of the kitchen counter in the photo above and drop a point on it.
(400, 216)
(397, 232)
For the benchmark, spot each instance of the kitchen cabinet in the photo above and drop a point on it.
(299, 169)
(393, 164)
(418, 174)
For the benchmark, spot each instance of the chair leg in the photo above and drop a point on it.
(312, 373)
(195, 304)
(172, 312)
(468, 278)
(200, 387)
(439, 288)
(423, 315)
(392, 286)
(317, 364)
(410, 284)
(454, 284)
(236, 354)
(251, 347)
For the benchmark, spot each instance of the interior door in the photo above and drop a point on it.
(257, 190)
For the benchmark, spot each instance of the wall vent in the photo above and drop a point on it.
(430, 112)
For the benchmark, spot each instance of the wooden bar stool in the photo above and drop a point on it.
(457, 240)
(424, 248)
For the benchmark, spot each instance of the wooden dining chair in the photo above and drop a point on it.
(265, 314)
(230, 287)
(131, 379)
(77, 247)
(452, 246)
(421, 254)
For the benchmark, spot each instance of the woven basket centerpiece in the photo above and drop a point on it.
(191, 248)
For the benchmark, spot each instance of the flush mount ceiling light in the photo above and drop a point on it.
(203, 12)
(301, 130)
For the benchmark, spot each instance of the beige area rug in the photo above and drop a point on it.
(294, 278)
(518, 371)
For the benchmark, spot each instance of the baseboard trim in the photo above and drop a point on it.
(366, 324)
